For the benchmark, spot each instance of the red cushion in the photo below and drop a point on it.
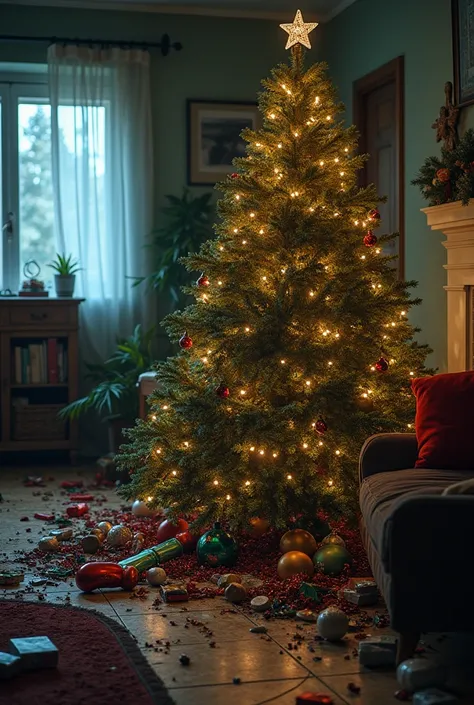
(444, 421)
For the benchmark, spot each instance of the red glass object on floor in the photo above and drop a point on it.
(92, 576)
(185, 341)
(314, 698)
(321, 426)
(203, 280)
(187, 540)
(370, 239)
(77, 510)
(81, 497)
(168, 530)
(70, 484)
(381, 365)
(44, 517)
(374, 214)
(222, 391)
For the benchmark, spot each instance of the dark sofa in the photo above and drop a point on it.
(420, 544)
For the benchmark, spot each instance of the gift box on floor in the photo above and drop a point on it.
(378, 651)
(364, 600)
(434, 696)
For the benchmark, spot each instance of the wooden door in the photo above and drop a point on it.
(382, 167)
(378, 114)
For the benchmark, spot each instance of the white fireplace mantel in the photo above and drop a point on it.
(456, 222)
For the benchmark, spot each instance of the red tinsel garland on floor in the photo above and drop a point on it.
(258, 557)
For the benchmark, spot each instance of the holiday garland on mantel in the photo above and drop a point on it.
(299, 345)
(450, 177)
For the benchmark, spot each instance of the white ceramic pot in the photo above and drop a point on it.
(64, 284)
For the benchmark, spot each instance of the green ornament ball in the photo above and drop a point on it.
(331, 558)
(216, 547)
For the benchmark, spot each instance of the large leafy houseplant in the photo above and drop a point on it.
(114, 393)
(187, 224)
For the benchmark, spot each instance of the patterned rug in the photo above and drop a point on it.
(99, 661)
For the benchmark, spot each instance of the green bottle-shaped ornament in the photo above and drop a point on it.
(152, 557)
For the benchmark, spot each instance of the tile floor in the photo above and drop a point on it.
(268, 669)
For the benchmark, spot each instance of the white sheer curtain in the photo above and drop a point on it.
(103, 181)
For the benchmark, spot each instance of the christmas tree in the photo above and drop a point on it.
(298, 346)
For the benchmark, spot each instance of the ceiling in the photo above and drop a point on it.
(284, 10)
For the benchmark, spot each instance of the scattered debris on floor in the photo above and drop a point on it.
(11, 577)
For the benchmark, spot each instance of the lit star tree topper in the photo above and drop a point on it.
(298, 31)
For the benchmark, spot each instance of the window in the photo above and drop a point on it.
(27, 196)
(26, 180)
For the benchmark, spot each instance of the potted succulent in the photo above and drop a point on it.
(65, 277)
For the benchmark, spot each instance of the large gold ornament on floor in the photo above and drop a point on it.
(293, 563)
(298, 540)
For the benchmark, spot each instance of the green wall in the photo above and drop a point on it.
(367, 35)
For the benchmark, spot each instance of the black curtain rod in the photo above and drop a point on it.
(165, 44)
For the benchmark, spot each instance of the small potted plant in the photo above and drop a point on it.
(65, 277)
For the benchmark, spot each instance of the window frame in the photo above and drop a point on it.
(15, 87)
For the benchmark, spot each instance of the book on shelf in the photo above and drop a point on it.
(44, 362)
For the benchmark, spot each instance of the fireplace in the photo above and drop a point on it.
(456, 222)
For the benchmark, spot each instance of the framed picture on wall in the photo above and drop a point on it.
(463, 48)
(214, 140)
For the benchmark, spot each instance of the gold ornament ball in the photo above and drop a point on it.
(104, 526)
(298, 540)
(293, 563)
(333, 538)
(259, 527)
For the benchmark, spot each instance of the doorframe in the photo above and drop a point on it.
(393, 71)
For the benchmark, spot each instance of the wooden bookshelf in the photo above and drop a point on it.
(38, 373)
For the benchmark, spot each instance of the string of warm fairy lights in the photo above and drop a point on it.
(298, 34)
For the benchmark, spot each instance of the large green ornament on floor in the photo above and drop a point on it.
(331, 558)
(217, 547)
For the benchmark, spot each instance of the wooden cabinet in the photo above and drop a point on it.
(38, 373)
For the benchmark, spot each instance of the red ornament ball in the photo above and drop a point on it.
(321, 426)
(168, 530)
(374, 214)
(234, 175)
(187, 540)
(222, 391)
(203, 280)
(185, 341)
(370, 239)
(381, 365)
